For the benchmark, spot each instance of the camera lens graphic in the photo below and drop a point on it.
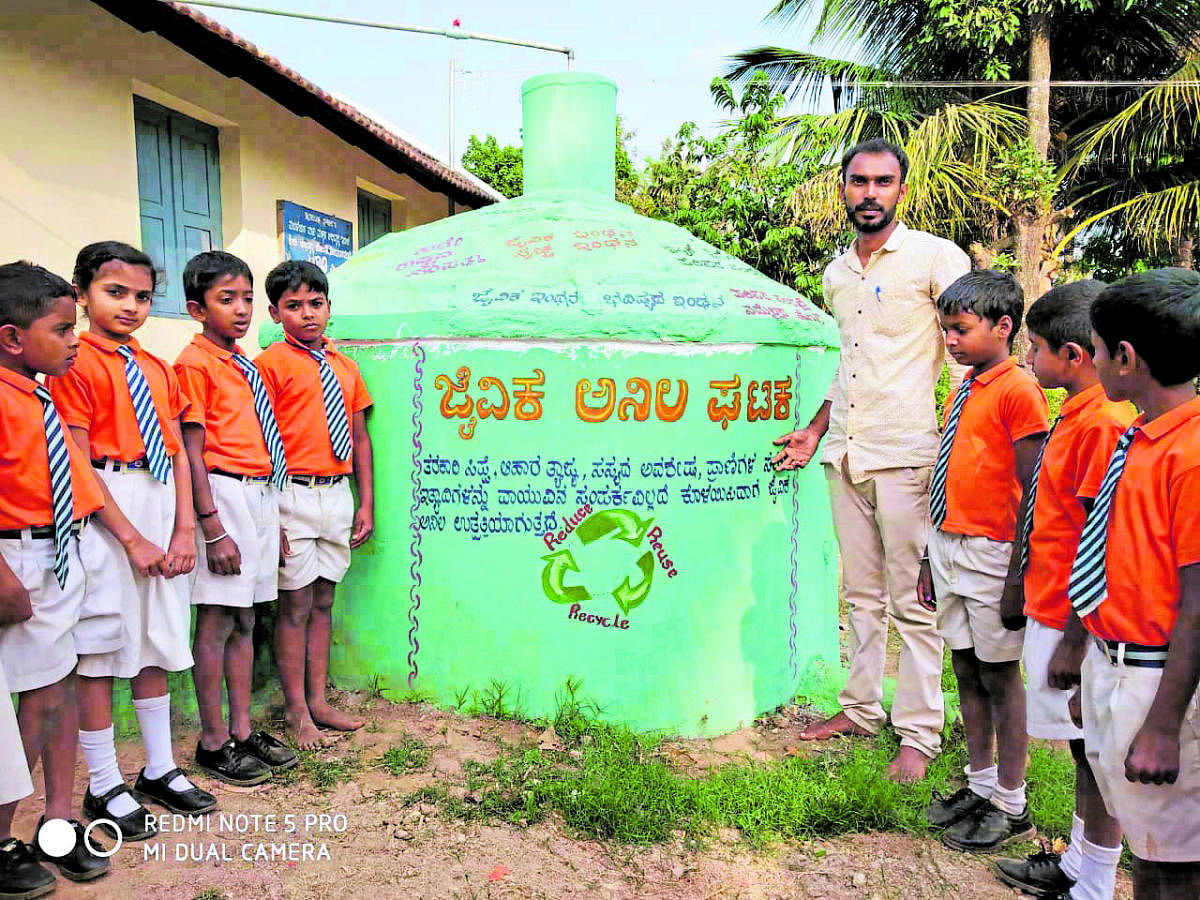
(56, 838)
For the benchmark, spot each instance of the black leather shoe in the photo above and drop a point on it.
(945, 811)
(80, 864)
(987, 829)
(231, 764)
(188, 802)
(1039, 874)
(272, 751)
(134, 826)
(21, 876)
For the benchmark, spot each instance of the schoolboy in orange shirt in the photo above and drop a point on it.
(1071, 466)
(237, 464)
(1135, 581)
(321, 402)
(48, 494)
(995, 423)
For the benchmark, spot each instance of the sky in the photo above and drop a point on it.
(661, 53)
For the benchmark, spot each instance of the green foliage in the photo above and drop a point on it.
(497, 700)
(1022, 181)
(501, 167)
(735, 192)
(1111, 254)
(410, 755)
(322, 769)
(504, 169)
(613, 784)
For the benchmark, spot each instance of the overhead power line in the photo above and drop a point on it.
(1113, 83)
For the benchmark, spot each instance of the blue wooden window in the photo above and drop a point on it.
(179, 194)
(374, 217)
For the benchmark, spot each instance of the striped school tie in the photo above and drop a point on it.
(61, 498)
(335, 404)
(1088, 584)
(266, 420)
(937, 485)
(1037, 473)
(147, 417)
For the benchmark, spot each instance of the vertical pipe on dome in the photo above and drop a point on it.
(568, 130)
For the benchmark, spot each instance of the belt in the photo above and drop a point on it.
(113, 465)
(315, 480)
(1140, 655)
(256, 479)
(43, 533)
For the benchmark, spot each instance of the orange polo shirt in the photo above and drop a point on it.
(982, 490)
(25, 499)
(1073, 465)
(215, 386)
(1153, 530)
(292, 376)
(95, 395)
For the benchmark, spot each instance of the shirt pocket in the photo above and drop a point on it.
(903, 309)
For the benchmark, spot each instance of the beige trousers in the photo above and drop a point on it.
(882, 525)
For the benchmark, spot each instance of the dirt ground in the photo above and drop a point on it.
(357, 838)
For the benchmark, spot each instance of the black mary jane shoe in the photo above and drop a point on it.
(80, 864)
(231, 764)
(270, 750)
(21, 876)
(134, 826)
(189, 802)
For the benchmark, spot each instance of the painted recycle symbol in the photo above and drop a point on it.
(623, 525)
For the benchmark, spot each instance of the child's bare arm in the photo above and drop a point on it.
(1154, 754)
(1012, 603)
(147, 558)
(364, 477)
(181, 553)
(14, 599)
(224, 558)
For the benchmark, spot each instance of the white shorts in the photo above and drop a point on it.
(1046, 711)
(42, 650)
(155, 614)
(249, 512)
(968, 581)
(99, 629)
(317, 521)
(1159, 820)
(15, 782)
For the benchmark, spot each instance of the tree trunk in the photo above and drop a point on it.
(1031, 225)
(1185, 258)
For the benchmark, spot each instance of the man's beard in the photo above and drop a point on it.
(888, 215)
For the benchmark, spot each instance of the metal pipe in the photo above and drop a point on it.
(453, 34)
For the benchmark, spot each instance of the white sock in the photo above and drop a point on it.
(100, 753)
(1009, 800)
(1097, 873)
(982, 782)
(1072, 859)
(154, 719)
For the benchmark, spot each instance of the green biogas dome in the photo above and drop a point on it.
(574, 410)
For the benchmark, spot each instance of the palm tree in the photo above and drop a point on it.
(1091, 155)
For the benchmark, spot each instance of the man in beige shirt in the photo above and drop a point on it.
(881, 441)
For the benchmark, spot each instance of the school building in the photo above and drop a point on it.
(146, 121)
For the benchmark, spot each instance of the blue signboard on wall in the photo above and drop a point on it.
(324, 240)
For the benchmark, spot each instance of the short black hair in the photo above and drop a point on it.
(204, 270)
(876, 145)
(290, 274)
(989, 294)
(1158, 314)
(1062, 315)
(28, 292)
(93, 256)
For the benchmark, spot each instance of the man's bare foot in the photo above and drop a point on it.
(305, 732)
(832, 727)
(909, 765)
(330, 717)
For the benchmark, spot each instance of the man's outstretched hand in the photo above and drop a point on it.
(798, 448)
